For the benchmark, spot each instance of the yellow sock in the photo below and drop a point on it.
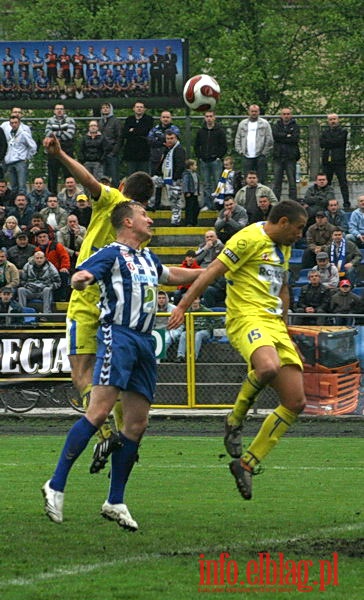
(274, 426)
(245, 398)
(118, 415)
(105, 430)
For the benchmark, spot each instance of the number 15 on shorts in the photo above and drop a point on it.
(254, 335)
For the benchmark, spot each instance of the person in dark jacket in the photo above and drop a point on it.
(171, 171)
(345, 301)
(93, 149)
(9, 305)
(210, 148)
(135, 136)
(333, 143)
(314, 298)
(111, 129)
(286, 152)
(3, 150)
(157, 141)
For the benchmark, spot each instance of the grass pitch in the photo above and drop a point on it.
(307, 505)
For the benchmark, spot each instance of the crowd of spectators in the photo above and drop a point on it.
(43, 224)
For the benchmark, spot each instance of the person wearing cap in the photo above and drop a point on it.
(345, 301)
(318, 238)
(345, 255)
(21, 252)
(83, 210)
(328, 272)
(9, 305)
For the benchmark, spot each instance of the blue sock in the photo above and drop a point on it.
(122, 462)
(76, 441)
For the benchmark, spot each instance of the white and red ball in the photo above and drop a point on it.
(201, 93)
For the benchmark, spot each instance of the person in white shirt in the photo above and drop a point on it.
(21, 148)
(254, 142)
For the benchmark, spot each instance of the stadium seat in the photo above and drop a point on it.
(362, 255)
(359, 291)
(302, 277)
(296, 256)
(30, 318)
(296, 292)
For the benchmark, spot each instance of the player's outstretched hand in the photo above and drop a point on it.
(52, 145)
(177, 318)
(81, 279)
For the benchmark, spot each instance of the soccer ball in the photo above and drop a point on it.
(201, 93)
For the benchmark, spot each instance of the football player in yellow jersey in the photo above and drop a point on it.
(83, 313)
(255, 264)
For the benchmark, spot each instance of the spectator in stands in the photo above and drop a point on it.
(37, 225)
(318, 239)
(83, 210)
(345, 301)
(328, 272)
(191, 190)
(21, 252)
(64, 128)
(171, 171)
(210, 148)
(71, 237)
(189, 262)
(111, 129)
(249, 194)
(39, 195)
(21, 148)
(9, 305)
(333, 143)
(58, 256)
(225, 185)
(9, 274)
(156, 140)
(286, 152)
(38, 281)
(345, 255)
(314, 298)
(135, 137)
(93, 149)
(7, 196)
(336, 216)
(3, 150)
(356, 224)
(215, 293)
(161, 322)
(21, 211)
(53, 214)
(209, 249)
(254, 142)
(231, 219)
(203, 331)
(67, 196)
(9, 232)
(317, 197)
(264, 206)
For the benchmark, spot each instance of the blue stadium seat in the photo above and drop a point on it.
(359, 291)
(296, 256)
(30, 312)
(302, 277)
(362, 255)
(296, 290)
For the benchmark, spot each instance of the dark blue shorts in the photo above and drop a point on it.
(126, 360)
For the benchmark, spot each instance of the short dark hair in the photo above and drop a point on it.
(122, 211)
(287, 208)
(139, 187)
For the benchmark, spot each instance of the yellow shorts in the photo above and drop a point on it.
(248, 334)
(82, 321)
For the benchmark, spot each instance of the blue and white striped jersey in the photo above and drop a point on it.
(128, 281)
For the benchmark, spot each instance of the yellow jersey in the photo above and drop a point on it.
(257, 270)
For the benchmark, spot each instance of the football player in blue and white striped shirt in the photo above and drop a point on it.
(128, 277)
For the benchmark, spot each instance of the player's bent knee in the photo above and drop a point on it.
(268, 372)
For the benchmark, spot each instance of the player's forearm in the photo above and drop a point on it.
(214, 270)
(182, 276)
(80, 173)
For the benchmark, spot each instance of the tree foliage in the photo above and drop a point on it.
(273, 52)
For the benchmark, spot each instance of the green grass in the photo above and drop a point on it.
(307, 504)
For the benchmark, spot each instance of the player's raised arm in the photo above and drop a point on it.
(214, 270)
(53, 148)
